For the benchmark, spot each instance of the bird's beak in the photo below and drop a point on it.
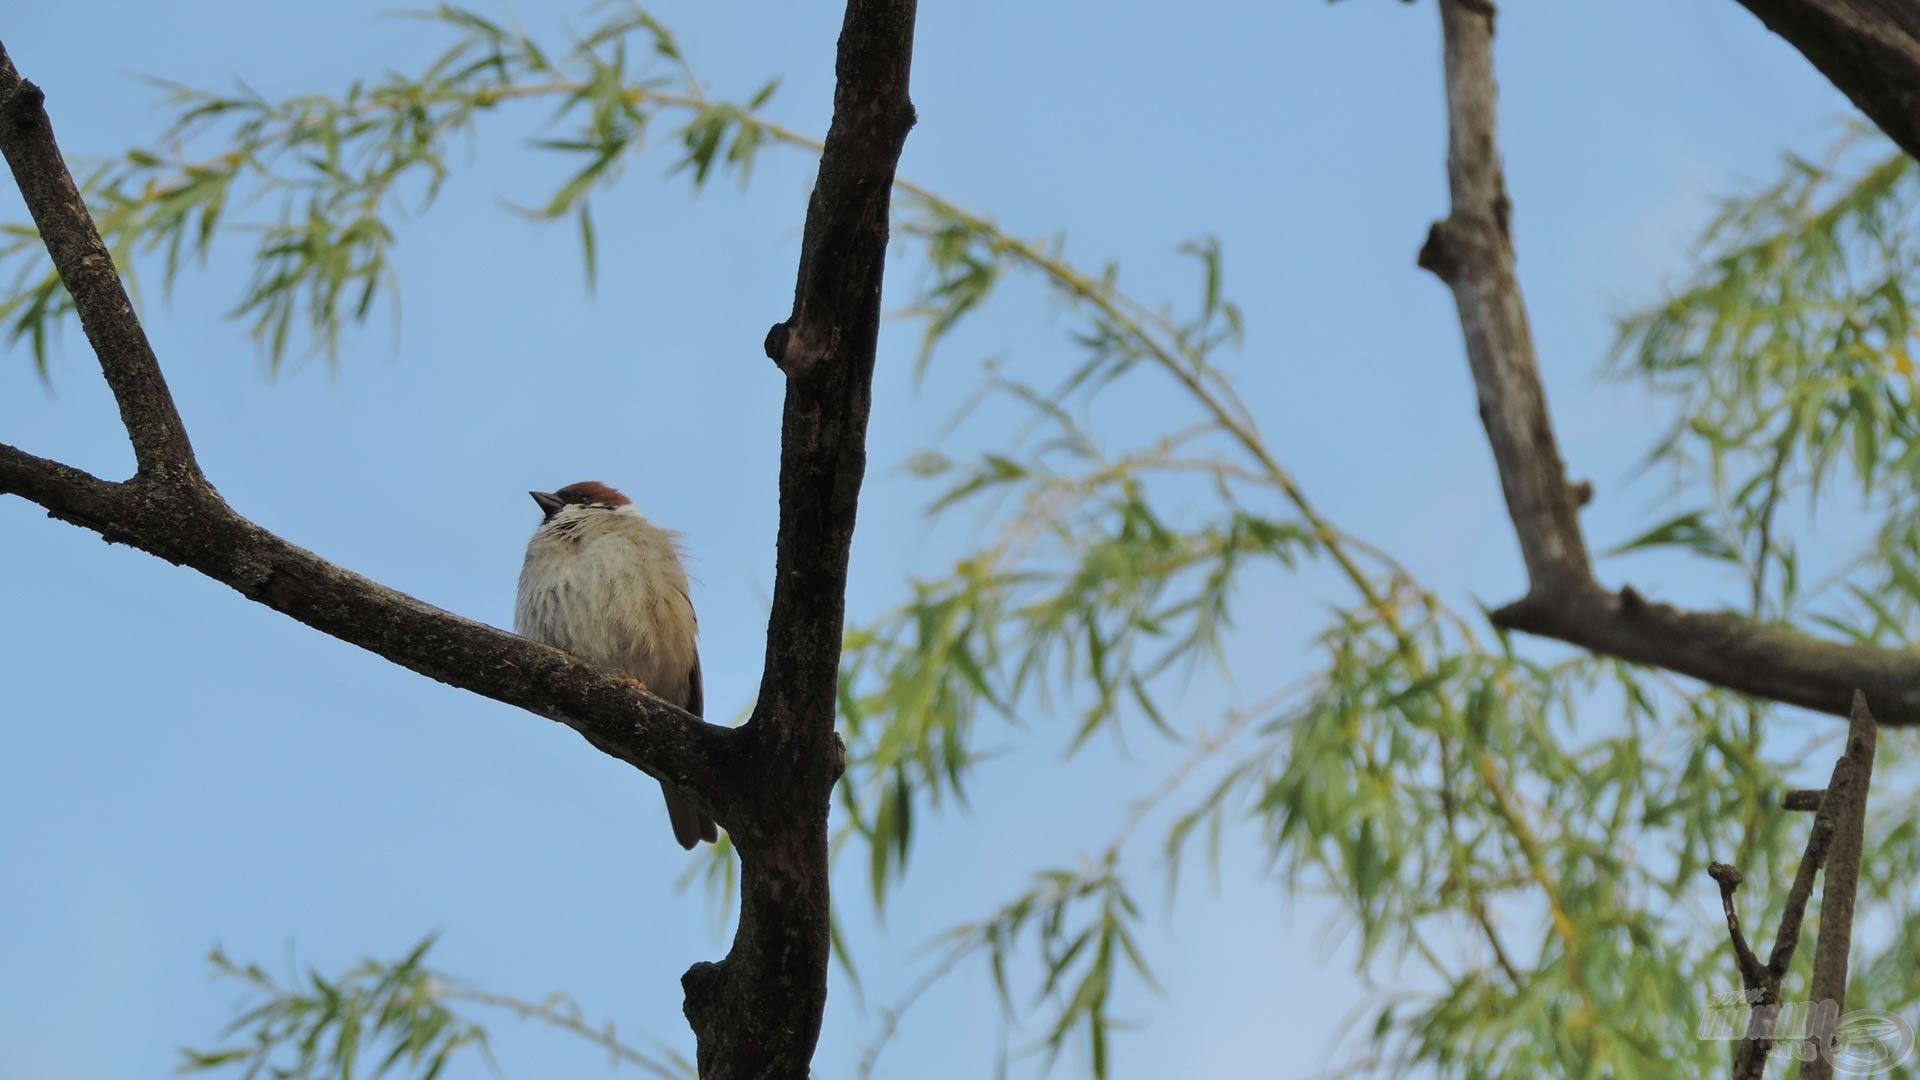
(550, 504)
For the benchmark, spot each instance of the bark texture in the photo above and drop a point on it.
(1868, 49)
(757, 1012)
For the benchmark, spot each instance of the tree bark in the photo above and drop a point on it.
(1868, 49)
(757, 1012)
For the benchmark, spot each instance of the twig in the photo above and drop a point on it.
(890, 1016)
(546, 1012)
(1806, 799)
(1753, 973)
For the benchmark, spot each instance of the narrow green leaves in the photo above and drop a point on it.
(365, 1023)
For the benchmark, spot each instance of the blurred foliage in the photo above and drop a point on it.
(1785, 358)
(1517, 838)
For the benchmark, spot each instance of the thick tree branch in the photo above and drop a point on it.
(1869, 49)
(160, 444)
(757, 1012)
(826, 347)
(1472, 251)
(1761, 659)
(190, 526)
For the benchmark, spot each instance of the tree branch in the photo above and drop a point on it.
(160, 444)
(757, 1012)
(1833, 844)
(1744, 654)
(1869, 49)
(1846, 802)
(826, 347)
(1472, 252)
(190, 526)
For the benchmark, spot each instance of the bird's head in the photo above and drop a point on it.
(585, 497)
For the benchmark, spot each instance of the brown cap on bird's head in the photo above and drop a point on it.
(584, 493)
(593, 491)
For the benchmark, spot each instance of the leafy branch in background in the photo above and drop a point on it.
(319, 181)
(379, 1015)
(1444, 785)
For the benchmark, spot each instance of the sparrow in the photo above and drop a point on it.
(606, 584)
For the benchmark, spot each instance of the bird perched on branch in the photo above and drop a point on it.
(606, 584)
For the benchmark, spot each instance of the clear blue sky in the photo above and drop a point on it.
(179, 767)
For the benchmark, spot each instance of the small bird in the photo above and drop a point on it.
(606, 585)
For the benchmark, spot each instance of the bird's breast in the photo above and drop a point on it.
(616, 598)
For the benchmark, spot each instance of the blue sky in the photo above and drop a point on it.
(179, 767)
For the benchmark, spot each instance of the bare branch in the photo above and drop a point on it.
(1833, 844)
(1753, 974)
(1846, 801)
(1869, 49)
(190, 526)
(757, 1012)
(160, 444)
(1472, 251)
(1806, 800)
(73, 496)
(826, 347)
(1740, 653)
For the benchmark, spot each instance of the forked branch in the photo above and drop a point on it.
(758, 1012)
(1472, 252)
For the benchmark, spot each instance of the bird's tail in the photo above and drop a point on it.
(690, 826)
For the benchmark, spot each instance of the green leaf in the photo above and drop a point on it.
(1689, 530)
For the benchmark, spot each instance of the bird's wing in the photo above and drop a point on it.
(696, 694)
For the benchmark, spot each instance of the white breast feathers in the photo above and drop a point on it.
(607, 586)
